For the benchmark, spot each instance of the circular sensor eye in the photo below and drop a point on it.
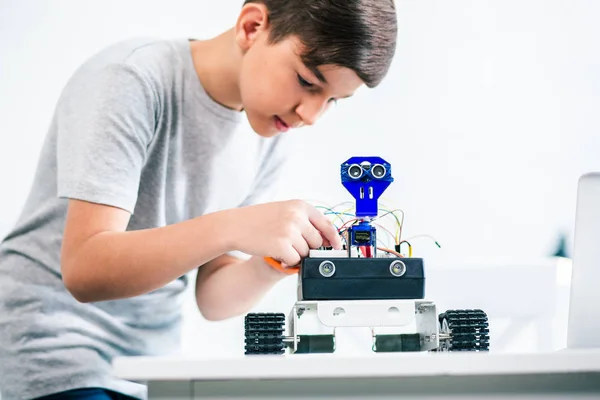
(355, 171)
(378, 171)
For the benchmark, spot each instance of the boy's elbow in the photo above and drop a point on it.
(209, 313)
(213, 317)
(212, 312)
(77, 290)
(77, 285)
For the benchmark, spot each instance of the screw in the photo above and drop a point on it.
(339, 311)
(327, 269)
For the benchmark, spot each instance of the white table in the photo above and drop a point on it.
(562, 374)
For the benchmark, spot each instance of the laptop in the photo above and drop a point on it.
(583, 330)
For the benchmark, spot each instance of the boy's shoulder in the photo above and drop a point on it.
(148, 52)
(154, 59)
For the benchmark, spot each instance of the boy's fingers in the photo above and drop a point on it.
(327, 229)
(313, 237)
(301, 247)
(291, 257)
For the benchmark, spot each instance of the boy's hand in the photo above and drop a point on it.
(285, 230)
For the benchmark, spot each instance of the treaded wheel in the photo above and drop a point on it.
(468, 330)
(264, 333)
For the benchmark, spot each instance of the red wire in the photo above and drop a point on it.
(347, 222)
(366, 250)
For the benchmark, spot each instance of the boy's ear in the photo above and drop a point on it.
(252, 23)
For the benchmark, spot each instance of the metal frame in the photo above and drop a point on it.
(380, 316)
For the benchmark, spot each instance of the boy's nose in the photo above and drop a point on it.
(309, 119)
(309, 111)
(306, 117)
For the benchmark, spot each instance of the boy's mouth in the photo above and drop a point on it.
(281, 125)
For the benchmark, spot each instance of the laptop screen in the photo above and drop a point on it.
(584, 308)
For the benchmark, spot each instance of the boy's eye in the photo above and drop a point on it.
(303, 82)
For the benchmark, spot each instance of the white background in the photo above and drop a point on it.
(488, 116)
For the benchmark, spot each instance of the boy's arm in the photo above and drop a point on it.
(228, 286)
(100, 260)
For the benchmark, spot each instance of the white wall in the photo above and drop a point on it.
(488, 116)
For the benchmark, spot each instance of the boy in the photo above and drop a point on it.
(143, 177)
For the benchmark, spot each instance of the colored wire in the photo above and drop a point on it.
(381, 242)
(399, 229)
(409, 247)
(400, 223)
(341, 213)
(426, 236)
(342, 203)
(345, 212)
(388, 232)
(330, 211)
(366, 250)
(347, 222)
(390, 251)
(394, 237)
(386, 199)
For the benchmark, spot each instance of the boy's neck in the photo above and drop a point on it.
(217, 63)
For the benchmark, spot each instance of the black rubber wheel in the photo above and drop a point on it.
(468, 330)
(315, 344)
(264, 333)
(397, 343)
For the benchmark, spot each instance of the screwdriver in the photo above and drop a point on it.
(277, 265)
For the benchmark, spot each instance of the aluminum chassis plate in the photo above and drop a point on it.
(378, 315)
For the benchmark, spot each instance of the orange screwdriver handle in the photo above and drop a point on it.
(277, 265)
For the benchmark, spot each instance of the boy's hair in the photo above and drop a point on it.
(356, 34)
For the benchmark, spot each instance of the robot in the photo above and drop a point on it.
(360, 286)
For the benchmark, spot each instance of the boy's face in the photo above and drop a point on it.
(278, 91)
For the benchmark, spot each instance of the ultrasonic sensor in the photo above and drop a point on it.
(378, 171)
(355, 171)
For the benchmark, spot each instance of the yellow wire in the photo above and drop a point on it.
(399, 227)
(398, 223)
(388, 211)
(339, 204)
(343, 212)
(337, 215)
(348, 209)
(326, 206)
(385, 209)
(385, 229)
(409, 248)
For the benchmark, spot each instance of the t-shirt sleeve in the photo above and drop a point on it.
(105, 121)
